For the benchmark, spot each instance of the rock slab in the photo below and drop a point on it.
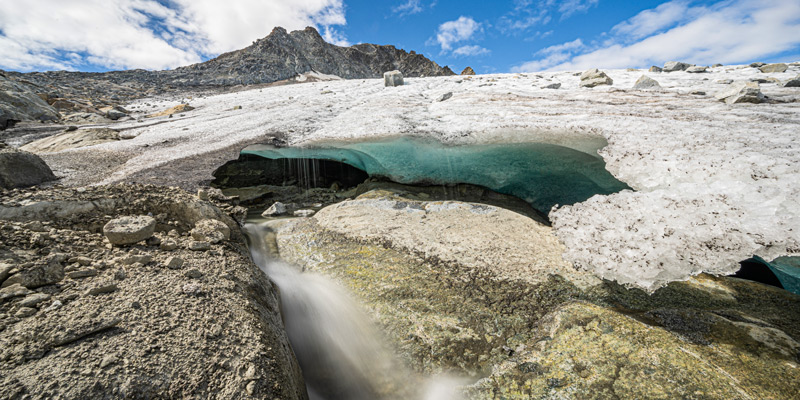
(129, 229)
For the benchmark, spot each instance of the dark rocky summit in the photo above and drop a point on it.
(281, 55)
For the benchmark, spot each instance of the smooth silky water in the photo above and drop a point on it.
(341, 353)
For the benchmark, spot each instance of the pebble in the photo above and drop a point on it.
(85, 273)
(25, 312)
(108, 360)
(168, 245)
(34, 299)
(192, 289)
(199, 246)
(193, 273)
(174, 263)
(107, 288)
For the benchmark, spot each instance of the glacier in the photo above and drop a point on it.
(713, 183)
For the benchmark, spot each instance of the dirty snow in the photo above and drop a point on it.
(714, 183)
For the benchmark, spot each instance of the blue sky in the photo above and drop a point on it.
(490, 36)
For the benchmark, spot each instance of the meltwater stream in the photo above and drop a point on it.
(339, 350)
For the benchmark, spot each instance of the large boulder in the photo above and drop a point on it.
(129, 229)
(672, 66)
(393, 78)
(780, 67)
(696, 69)
(595, 77)
(21, 169)
(794, 82)
(646, 82)
(468, 71)
(19, 102)
(742, 92)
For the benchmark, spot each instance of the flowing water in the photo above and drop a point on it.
(339, 350)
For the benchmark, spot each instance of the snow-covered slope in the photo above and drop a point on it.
(715, 183)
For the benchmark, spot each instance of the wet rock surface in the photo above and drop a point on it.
(475, 312)
(80, 318)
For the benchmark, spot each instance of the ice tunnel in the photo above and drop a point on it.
(542, 174)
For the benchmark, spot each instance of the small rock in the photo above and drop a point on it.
(174, 263)
(120, 274)
(595, 77)
(5, 271)
(129, 229)
(743, 92)
(795, 82)
(758, 64)
(696, 70)
(468, 71)
(84, 261)
(237, 107)
(655, 69)
(446, 96)
(554, 85)
(781, 67)
(71, 128)
(277, 208)
(142, 259)
(56, 304)
(153, 241)
(672, 66)
(35, 226)
(34, 299)
(168, 245)
(251, 388)
(716, 65)
(193, 273)
(192, 289)
(199, 246)
(646, 82)
(14, 290)
(723, 81)
(304, 213)
(37, 275)
(698, 92)
(393, 78)
(211, 230)
(25, 312)
(83, 273)
(106, 288)
(202, 194)
(108, 360)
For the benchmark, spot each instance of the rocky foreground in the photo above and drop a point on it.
(481, 288)
(178, 312)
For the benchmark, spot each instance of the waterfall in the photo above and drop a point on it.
(339, 350)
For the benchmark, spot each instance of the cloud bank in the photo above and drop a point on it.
(727, 32)
(123, 34)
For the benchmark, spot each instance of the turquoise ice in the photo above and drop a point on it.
(542, 174)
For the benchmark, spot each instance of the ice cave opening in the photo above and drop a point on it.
(540, 173)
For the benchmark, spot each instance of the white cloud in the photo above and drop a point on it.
(728, 32)
(473, 50)
(452, 32)
(408, 8)
(64, 34)
(648, 22)
(530, 13)
(569, 7)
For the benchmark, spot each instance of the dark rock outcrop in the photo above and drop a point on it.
(20, 169)
(282, 55)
